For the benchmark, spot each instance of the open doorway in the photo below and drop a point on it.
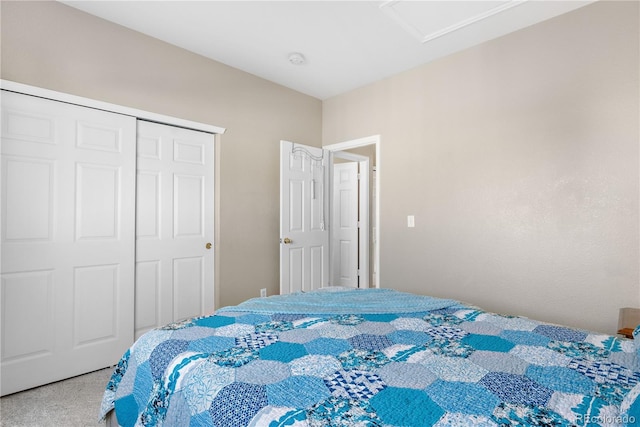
(366, 153)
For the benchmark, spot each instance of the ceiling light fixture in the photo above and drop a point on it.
(297, 58)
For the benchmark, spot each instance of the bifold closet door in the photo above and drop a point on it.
(174, 225)
(68, 239)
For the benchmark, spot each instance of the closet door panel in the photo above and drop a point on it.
(28, 184)
(28, 320)
(148, 205)
(95, 307)
(147, 310)
(98, 192)
(188, 206)
(174, 225)
(187, 296)
(68, 217)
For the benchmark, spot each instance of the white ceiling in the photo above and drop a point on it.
(347, 44)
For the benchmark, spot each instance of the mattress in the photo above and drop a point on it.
(372, 357)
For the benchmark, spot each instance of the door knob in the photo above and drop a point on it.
(208, 246)
(287, 241)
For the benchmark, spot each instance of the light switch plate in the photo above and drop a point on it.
(411, 221)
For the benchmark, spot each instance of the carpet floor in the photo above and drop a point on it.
(74, 403)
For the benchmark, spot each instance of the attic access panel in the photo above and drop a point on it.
(428, 20)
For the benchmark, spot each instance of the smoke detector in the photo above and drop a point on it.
(297, 58)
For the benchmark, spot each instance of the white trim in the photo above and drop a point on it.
(349, 156)
(361, 142)
(114, 108)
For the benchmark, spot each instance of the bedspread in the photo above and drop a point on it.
(373, 357)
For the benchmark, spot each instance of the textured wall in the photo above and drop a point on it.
(519, 159)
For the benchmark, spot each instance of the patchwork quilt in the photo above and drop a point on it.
(373, 357)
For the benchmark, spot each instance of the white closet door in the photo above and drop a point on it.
(174, 216)
(68, 200)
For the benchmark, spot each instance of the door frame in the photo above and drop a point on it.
(361, 142)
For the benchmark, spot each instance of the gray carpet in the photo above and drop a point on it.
(74, 403)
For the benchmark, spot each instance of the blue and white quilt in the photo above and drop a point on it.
(373, 357)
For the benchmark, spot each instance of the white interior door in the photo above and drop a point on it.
(68, 196)
(369, 204)
(350, 233)
(344, 225)
(304, 232)
(174, 225)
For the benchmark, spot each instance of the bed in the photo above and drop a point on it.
(372, 357)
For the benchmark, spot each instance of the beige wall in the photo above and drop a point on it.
(519, 159)
(50, 45)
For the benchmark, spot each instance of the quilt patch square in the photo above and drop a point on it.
(356, 385)
(370, 342)
(447, 333)
(560, 333)
(602, 372)
(248, 400)
(256, 341)
(516, 389)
